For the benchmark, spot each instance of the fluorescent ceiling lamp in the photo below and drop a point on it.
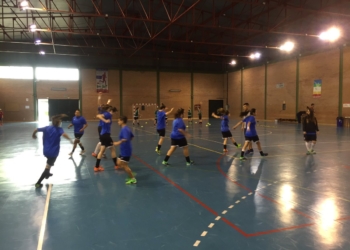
(23, 5)
(42, 52)
(60, 74)
(287, 46)
(37, 42)
(32, 27)
(9, 72)
(255, 55)
(330, 35)
(233, 62)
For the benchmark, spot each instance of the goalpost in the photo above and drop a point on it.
(146, 110)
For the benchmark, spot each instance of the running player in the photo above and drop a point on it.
(1, 117)
(101, 109)
(225, 128)
(251, 134)
(51, 142)
(125, 138)
(243, 115)
(310, 131)
(155, 116)
(136, 117)
(189, 115)
(80, 125)
(161, 115)
(199, 115)
(106, 140)
(178, 138)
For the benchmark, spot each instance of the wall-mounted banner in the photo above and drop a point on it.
(317, 88)
(101, 81)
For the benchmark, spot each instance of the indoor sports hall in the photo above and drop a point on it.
(174, 124)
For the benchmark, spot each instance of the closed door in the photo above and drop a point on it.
(214, 105)
(63, 106)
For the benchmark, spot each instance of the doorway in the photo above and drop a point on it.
(214, 105)
(43, 110)
(63, 106)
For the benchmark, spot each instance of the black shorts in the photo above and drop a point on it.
(161, 132)
(106, 140)
(124, 158)
(310, 137)
(252, 138)
(99, 129)
(51, 161)
(78, 136)
(136, 117)
(179, 142)
(226, 134)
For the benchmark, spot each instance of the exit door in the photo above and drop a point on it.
(63, 106)
(214, 105)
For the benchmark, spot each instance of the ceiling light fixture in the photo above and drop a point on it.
(24, 5)
(287, 46)
(37, 42)
(233, 62)
(255, 55)
(32, 28)
(42, 52)
(330, 35)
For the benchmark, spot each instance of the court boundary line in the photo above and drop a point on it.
(44, 220)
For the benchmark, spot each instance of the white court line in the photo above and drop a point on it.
(250, 193)
(224, 212)
(211, 225)
(243, 197)
(43, 223)
(231, 206)
(196, 243)
(218, 218)
(204, 233)
(238, 201)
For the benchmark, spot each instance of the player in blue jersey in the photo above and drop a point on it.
(155, 116)
(101, 108)
(243, 115)
(124, 142)
(161, 124)
(225, 128)
(178, 138)
(106, 139)
(251, 135)
(80, 125)
(51, 141)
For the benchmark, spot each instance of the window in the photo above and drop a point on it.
(12, 72)
(61, 74)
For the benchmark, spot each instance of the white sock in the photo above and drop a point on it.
(307, 144)
(97, 149)
(312, 146)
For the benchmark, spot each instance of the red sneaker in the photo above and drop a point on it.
(94, 155)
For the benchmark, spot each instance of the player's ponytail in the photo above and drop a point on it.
(57, 119)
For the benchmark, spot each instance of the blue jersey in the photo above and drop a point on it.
(161, 119)
(99, 110)
(106, 127)
(125, 147)
(224, 123)
(178, 123)
(51, 140)
(78, 122)
(252, 131)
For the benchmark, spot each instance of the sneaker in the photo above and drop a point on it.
(82, 152)
(238, 145)
(117, 168)
(264, 154)
(131, 181)
(225, 150)
(308, 153)
(38, 185)
(157, 151)
(242, 158)
(70, 154)
(190, 163)
(104, 156)
(313, 152)
(127, 178)
(165, 163)
(98, 169)
(94, 155)
(251, 151)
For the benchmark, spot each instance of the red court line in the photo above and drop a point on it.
(248, 189)
(191, 196)
(247, 235)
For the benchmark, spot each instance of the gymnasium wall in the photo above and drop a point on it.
(281, 84)
(16, 99)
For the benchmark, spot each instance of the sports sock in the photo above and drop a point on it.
(225, 146)
(235, 143)
(188, 159)
(97, 149)
(43, 175)
(115, 161)
(307, 144)
(166, 158)
(97, 163)
(81, 146)
(159, 146)
(242, 153)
